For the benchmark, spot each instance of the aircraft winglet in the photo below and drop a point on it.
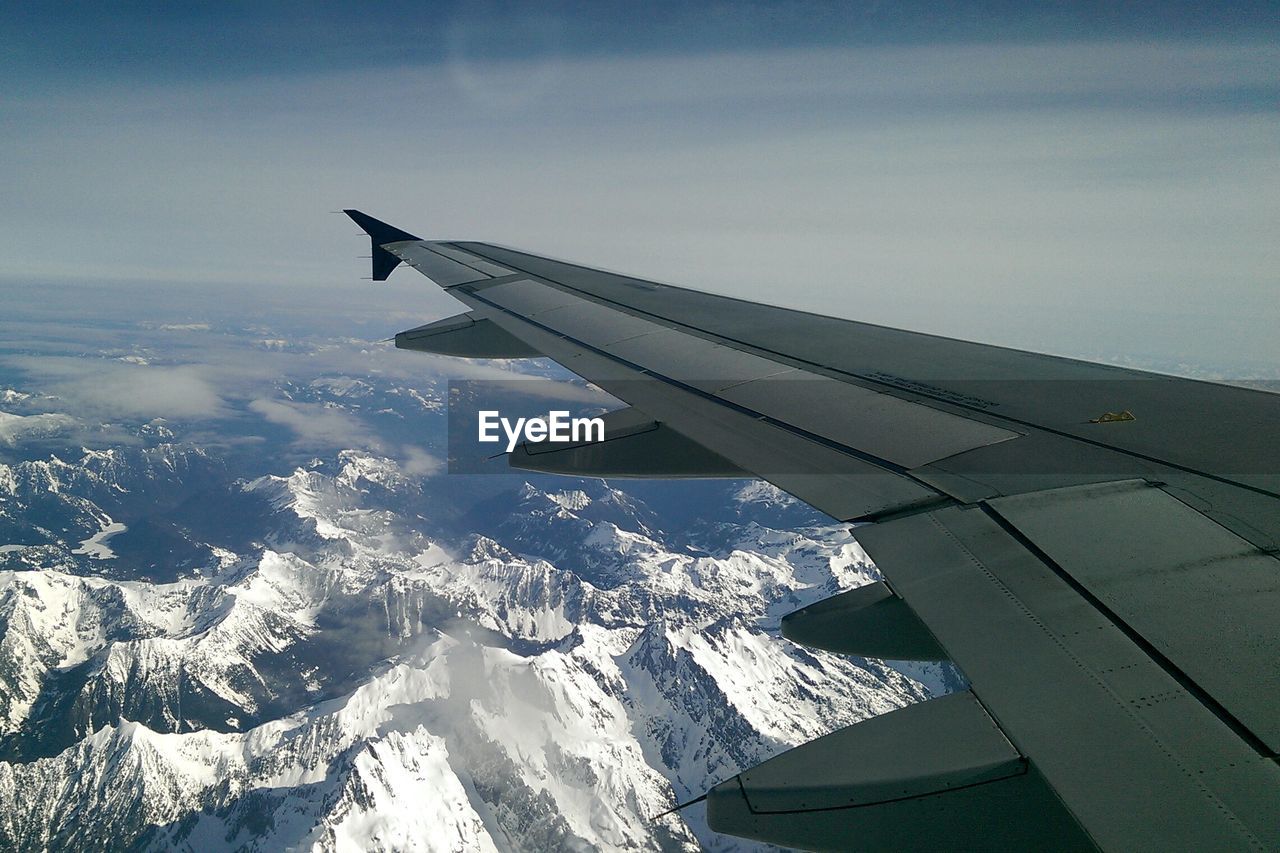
(380, 233)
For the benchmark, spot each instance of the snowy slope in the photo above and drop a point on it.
(357, 652)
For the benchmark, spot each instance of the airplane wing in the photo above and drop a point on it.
(1095, 548)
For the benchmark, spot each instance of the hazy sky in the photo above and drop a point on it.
(1078, 178)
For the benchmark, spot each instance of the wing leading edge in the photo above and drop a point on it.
(1108, 587)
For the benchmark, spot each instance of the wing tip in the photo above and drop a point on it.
(379, 232)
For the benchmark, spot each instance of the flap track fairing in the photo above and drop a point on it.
(939, 775)
(871, 621)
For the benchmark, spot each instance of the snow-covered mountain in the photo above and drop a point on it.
(296, 631)
(552, 681)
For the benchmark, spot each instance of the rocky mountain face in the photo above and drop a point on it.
(233, 644)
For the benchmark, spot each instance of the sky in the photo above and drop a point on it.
(1094, 180)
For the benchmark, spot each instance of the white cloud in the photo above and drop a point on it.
(1108, 198)
(183, 327)
(113, 389)
(13, 427)
(419, 463)
(316, 425)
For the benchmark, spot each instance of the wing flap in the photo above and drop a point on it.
(1103, 722)
(1168, 573)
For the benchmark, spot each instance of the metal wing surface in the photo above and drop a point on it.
(1095, 548)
